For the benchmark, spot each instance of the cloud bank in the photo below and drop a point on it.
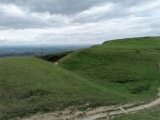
(76, 21)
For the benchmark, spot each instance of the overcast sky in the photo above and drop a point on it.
(76, 21)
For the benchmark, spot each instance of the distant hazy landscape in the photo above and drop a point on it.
(36, 50)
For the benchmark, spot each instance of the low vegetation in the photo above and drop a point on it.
(54, 57)
(115, 72)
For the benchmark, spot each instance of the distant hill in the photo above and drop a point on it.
(116, 72)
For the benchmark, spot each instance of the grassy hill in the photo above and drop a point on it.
(29, 85)
(143, 43)
(127, 67)
(115, 72)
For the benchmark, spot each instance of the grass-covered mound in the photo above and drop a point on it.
(127, 67)
(29, 85)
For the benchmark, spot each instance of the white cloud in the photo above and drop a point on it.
(95, 12)
(146, 7)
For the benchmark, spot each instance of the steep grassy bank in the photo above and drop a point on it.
(29, 85)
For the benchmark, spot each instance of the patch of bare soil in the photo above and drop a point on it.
(55, 63)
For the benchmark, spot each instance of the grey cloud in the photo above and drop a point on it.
(55, 6)
(120, 9)
(67, 6)
(53, 13)
(3, 40)
(80, 20)
(18, 23)
(18, 18)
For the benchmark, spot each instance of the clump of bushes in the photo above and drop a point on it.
(54, 57)
(140, 89)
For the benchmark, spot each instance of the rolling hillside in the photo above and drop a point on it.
(127, 67)
(116, 72)
(29, 85)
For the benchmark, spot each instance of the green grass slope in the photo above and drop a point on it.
(127, 67)
(29, 85)
(143, 43)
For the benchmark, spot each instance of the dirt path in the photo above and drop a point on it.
(93, 114)
(124, 111)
